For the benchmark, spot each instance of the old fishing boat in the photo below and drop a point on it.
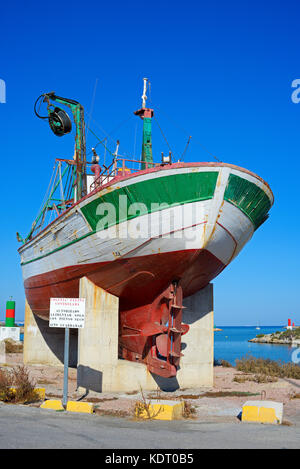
(149, 233)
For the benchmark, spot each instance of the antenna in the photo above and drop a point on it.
(144, 97)
(146, 115)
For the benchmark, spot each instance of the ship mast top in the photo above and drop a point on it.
(144, 97)
(146, 115)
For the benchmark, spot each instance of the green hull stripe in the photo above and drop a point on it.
(249, 198)
(172, 190)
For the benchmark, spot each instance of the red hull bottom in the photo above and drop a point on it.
(148, 288)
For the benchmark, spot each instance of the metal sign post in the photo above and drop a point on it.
(66, 367)
(67, 313)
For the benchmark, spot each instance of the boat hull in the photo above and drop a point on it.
(139, 234)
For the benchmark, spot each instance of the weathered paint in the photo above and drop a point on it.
(72, 243)
(82, 407)
(160, 410)
(262, 412)
(214, 210)
(175, 189)
(52, 404)
(249, 198)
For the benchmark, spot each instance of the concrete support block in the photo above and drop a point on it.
(82, 407)
(160, 410)
(99, 368)
(2, 352)
(196, 366)
(262, 412)
(40, 392)
(98, 340)
(44, 345)
(10, 333)
(52, 404)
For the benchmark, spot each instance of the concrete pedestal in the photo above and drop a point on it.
(2, 352)
(10, 333)
(44, 345)
(196, 366)
(99, 368)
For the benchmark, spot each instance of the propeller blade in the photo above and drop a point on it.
(151, 328)
(184, 328)
(162, 344)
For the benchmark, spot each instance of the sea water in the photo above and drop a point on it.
(231, 343)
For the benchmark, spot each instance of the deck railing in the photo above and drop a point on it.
(120, 167)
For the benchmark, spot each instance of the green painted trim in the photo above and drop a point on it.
(147, 141)
(249, 198)
(174, 190)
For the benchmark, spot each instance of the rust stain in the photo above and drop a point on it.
(221, 209)
(219, 180)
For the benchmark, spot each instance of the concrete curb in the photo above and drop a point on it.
(72, 406)
(161, 410)
(262, 412)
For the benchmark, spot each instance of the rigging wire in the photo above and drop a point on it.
(163, 134)
(61, 187)
(101, 142)
(92, 107)
(108, 136)
(47, 191)
(186, 133)
(186, 147)
(134, 147)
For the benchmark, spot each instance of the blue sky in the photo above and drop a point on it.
(219, 71)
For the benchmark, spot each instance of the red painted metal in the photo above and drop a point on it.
(144, 112)
(151, 333)
(96, 169)
(150, 302)
(136, 281)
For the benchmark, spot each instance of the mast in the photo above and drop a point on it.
(80, 147)
(57, 119)
(146, 115)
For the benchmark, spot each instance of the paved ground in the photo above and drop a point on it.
(215, 423)
(27, 427)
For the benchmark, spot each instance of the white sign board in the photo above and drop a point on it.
(67, 312)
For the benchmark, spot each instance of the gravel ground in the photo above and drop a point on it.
(206, 408)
